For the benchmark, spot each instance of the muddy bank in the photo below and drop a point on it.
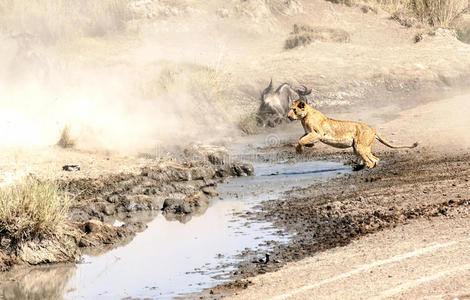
(407, 185)
(107, 211)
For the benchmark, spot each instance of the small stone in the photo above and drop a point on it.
(71, 168)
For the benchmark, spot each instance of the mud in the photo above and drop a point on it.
(172, 259)
(406, 185)
(106, 211)
(180, 189)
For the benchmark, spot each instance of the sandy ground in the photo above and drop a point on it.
(422, 259)
(443, 125)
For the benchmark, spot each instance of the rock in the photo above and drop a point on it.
(196, 203)
(92, 226)
(211, 191)
(242, 169)
(109, 210)
(177, 206)
(112, 198)
(202, 173)
(137, 203)
(97, 232)
(171, 203)
(71, 168)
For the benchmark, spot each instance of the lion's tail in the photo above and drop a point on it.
(388, 144)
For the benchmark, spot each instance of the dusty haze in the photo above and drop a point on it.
(119, 83)
(135, 74)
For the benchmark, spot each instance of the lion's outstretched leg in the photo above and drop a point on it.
(308, 139)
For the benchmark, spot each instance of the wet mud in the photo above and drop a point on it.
(106, 212)
(406, 185)
(107, 209)
(174, 257)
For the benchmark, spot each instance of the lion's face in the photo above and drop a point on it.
(297, 110)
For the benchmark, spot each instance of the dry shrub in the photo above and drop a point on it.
(66, 140)
(50, 21)
(32, 208)
(436, 13)
(303, 35)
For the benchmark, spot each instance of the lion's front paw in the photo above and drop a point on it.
(299, 149)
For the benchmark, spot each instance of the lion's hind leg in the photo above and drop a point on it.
(363, 146)
(365, 154)
(374, 158)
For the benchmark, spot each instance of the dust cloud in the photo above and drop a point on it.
(120, 83)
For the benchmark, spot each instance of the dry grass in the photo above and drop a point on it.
(49, 21)
(32, 209)
(435, 13)
(439, 13)
(66, 140)
(303, 35)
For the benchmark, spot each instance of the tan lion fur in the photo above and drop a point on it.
(339, 134)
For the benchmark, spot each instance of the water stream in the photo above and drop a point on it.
(170, 258)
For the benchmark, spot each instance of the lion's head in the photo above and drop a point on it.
(297, 110)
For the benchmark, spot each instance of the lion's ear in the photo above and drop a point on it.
(301, 104)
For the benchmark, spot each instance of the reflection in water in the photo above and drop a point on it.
(170, 259)
(37, 283)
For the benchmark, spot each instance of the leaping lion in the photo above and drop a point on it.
(339, 134)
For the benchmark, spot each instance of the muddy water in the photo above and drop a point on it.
(171, 258)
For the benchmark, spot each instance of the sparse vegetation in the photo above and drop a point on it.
(434, 13)
(32, 208)
(49, 21)
(66, 140)
(438, 13)
(303, 35)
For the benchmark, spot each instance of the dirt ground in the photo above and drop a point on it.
(421, 259)
(399, 230)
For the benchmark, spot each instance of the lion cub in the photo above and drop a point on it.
(339, 134)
